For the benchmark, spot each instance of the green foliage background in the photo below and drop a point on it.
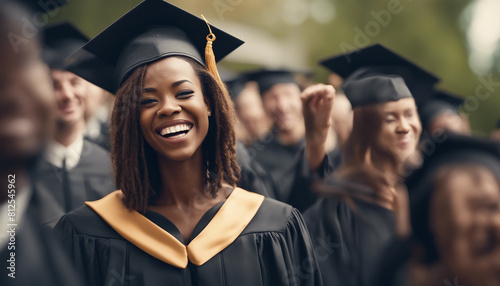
(426, 31)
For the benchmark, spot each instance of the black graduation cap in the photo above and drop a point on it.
(42, 6)
(235, 83)
(267, 78)
(371, 88)
(441, 102)
(61, 40)
(153, 30)
(451, 150)
(91, 68)
(378, 59)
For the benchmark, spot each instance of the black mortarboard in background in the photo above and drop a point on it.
(59, 41)
(450, 150)
(441, 102)
(378, 60)
(235, 82)
(374, 88)
(42, 6)
(153, 30)
(267, 78)
(92, 69)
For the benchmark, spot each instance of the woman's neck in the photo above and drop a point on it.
(182, 182)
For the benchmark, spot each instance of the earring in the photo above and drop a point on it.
(209, 113)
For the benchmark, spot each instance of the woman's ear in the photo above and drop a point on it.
(208, 105)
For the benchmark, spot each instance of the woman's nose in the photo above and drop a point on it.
(168, 108)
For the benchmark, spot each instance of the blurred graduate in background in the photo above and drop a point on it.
(74, 169)
(364, 199)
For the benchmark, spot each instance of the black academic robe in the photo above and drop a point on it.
(391, 268)
(253, 177)
(39, 259)
(276, 158)
(288, 170)
(90, 180)
(103, 139)
(298, 178)
(348, 241)
(268, 245)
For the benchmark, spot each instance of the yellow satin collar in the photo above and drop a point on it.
(231, 219)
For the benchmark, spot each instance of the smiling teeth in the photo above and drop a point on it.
(174, 129)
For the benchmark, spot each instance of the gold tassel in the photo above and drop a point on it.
(209, 55)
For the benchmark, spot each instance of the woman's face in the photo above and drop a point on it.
(465, 221)
(401, 128)
(173, 110)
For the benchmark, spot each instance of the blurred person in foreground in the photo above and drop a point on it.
(29, 255)
(455, 219)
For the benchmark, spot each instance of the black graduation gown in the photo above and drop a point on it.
(391, 268)
(253, 177)
(297, 179)
(39, 259)
(274, 248)
(348, 242)
(90, 180)
(103, 139)
(275, 157)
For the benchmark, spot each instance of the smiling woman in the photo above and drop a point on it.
(178, 218)
(365, 203)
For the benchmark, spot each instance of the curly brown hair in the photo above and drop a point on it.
(135, 162)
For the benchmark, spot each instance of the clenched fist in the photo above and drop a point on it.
(317, 105)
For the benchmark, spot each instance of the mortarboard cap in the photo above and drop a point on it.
(372, 88)
(92, 69)
(61, 40)
(153, 30)
(267, 78)
(381, 60)
(235, 83)
(441, 102)
(451, 150)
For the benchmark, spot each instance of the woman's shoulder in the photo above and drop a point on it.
(272, 216)
(85, 221)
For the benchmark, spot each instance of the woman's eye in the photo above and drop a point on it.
(147, 101)
(185, 94)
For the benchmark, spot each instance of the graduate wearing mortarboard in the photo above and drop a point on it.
(455, 218)
(74, 169)
(178, 218)
(442, 112)
(29, 254)
(283, 151)
(364, 197)
(281, 100)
